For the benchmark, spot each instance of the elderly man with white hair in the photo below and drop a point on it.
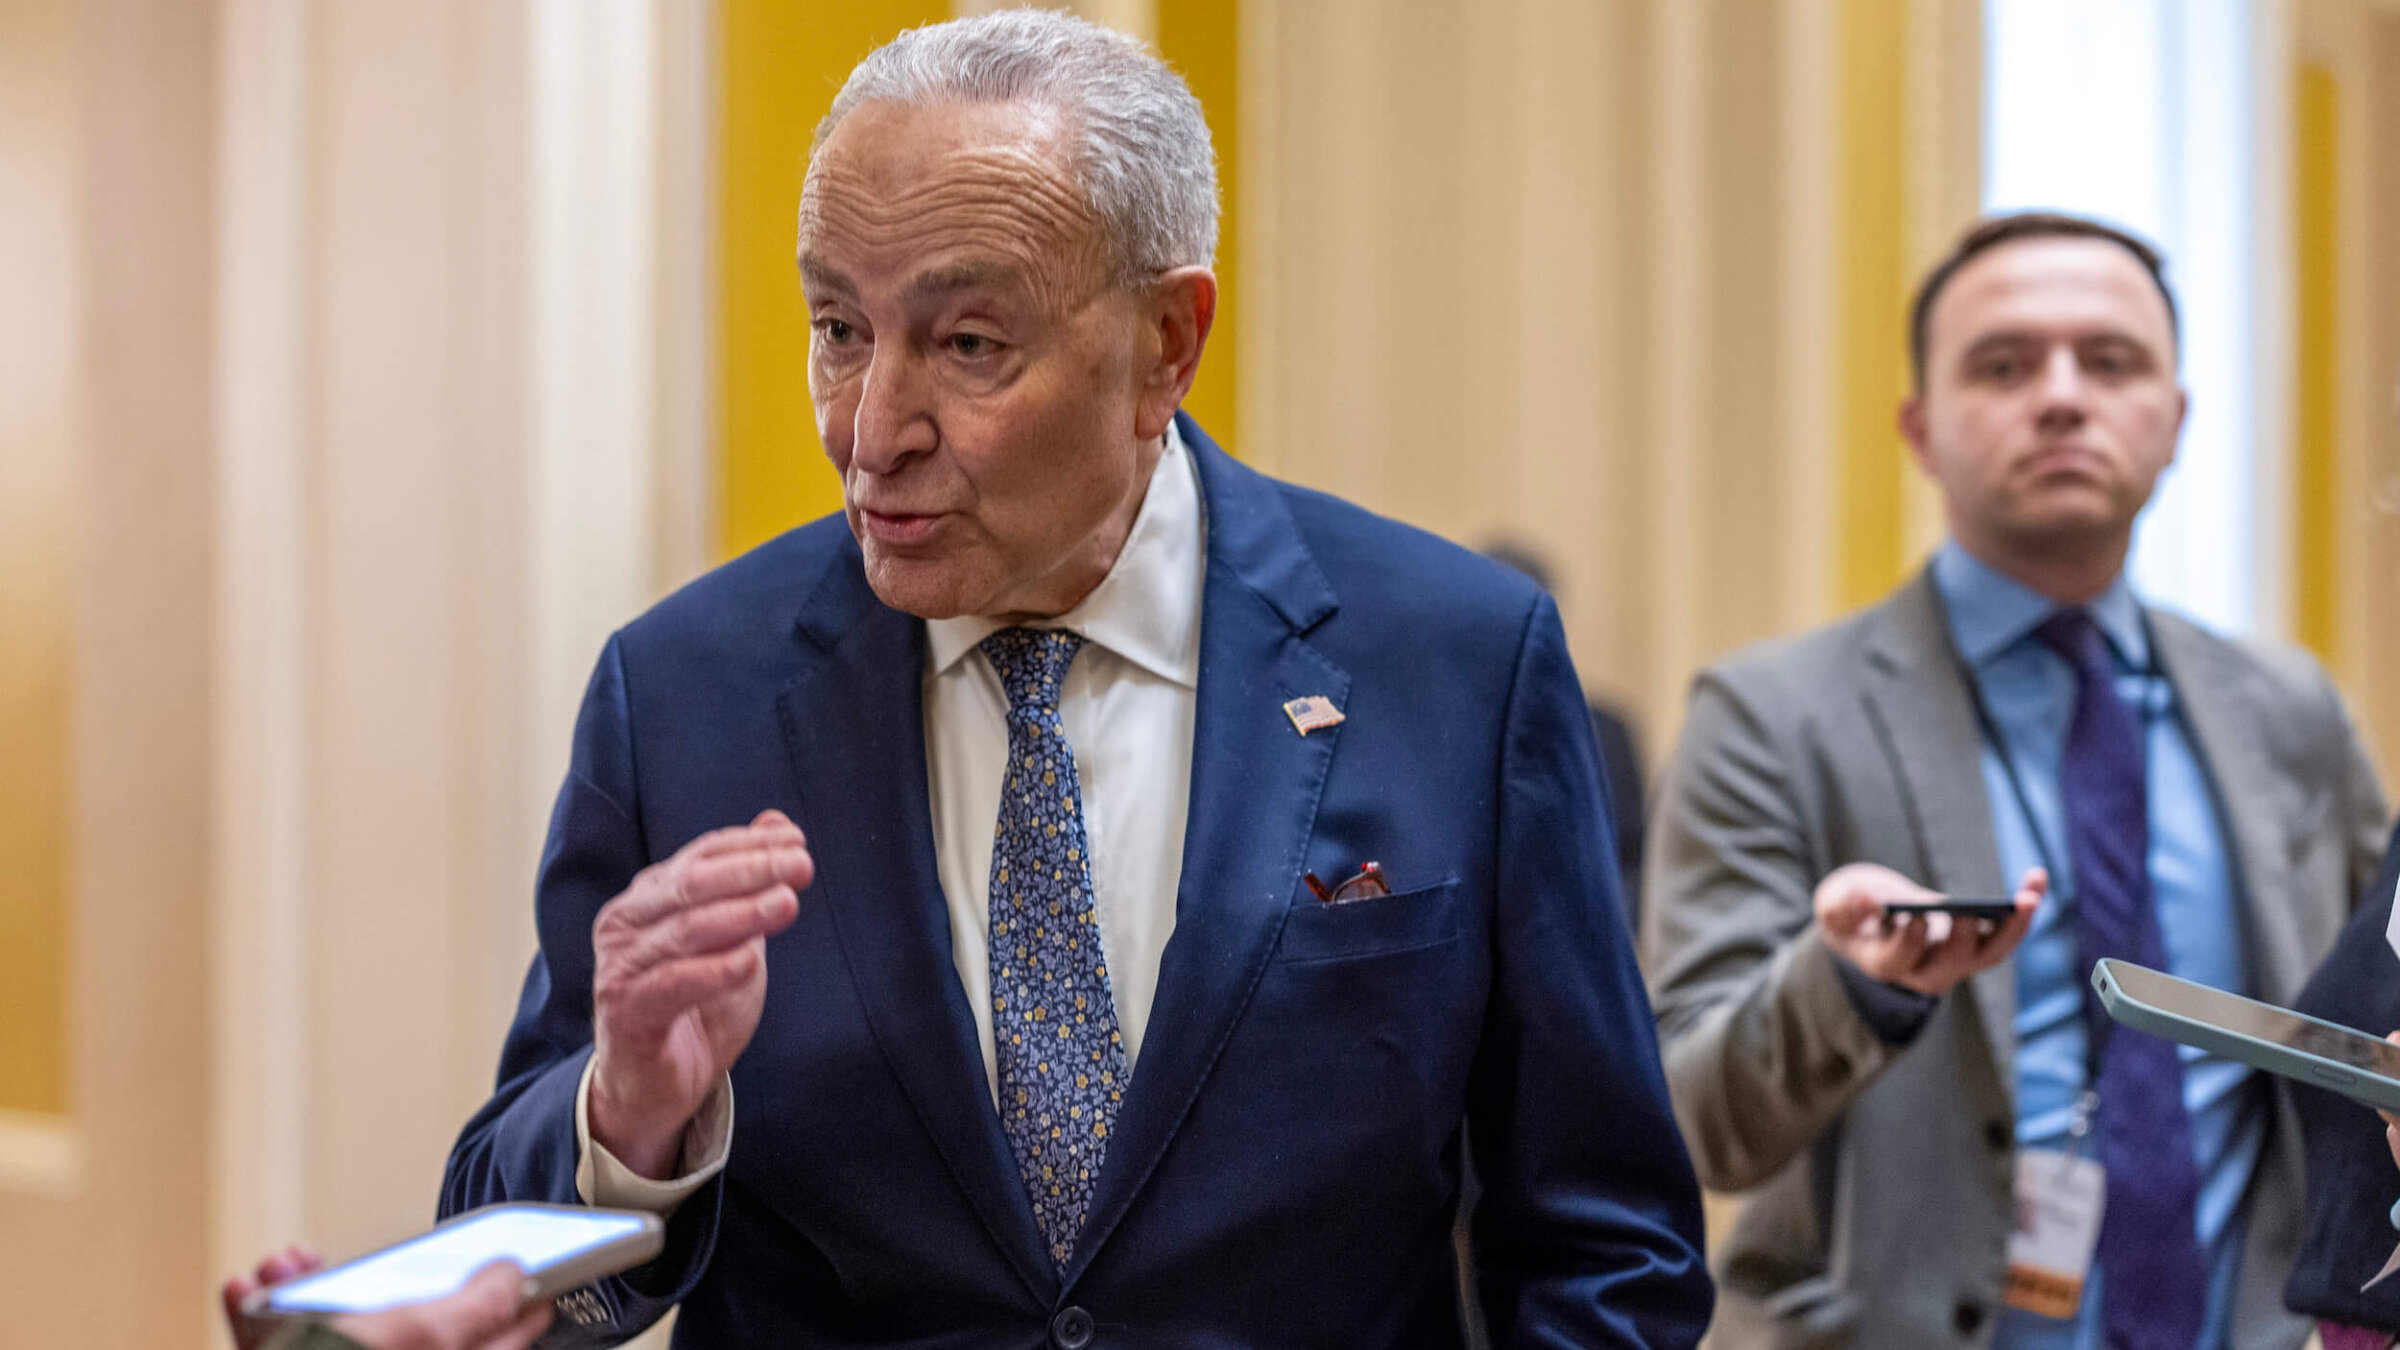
(1086, 893)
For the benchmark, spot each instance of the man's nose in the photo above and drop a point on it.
(894, 418)
(2063, 391)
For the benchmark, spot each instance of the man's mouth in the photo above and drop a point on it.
(899, 527)
(2051, 459)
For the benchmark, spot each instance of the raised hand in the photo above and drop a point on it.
(680, 976)
(1927, 953)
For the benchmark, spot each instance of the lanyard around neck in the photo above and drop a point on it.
(2155, 700)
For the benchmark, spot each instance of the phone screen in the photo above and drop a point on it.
(2259, 1020)
(440, 1262)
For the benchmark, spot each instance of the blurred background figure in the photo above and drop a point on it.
(1620, 753)
(2018, 714)
(366, 365)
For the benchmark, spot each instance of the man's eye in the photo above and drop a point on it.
(972, 344)
(835, 331)
(2001, 368)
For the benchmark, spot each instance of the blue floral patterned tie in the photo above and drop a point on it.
(2154, 1280)
(1054, 1023)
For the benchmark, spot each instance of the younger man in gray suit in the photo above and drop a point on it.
(1889, 1093)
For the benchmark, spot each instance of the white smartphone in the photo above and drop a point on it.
(559, 1247)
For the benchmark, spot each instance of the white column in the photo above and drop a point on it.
(261, 789)
(442, 345)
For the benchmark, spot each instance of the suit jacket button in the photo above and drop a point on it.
(1071, 1329)
(1999, 1136)
(1968, 1318)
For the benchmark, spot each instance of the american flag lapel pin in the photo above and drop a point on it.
(1314, 713)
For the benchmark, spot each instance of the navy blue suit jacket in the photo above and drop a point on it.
(1286, 1161)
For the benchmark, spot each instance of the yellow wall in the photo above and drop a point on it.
(782, 63)
(38, 217)
(34, 609)
(2317, 514)
(1201, 39)
(1873, 296)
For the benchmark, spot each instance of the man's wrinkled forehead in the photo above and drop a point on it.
(937, 197)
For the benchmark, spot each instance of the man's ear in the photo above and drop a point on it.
(1912, 428)
(1176, 316)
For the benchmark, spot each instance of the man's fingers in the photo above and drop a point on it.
(276, 1267)
(1955, 957)
(466, 1320)
(767, 829)
(487, 1305)
(1850, 912)
(742, 871)
(711, 928)
(530, 1324)
(1893, 957)
(232, 1293)
(657, 996)
(2010, 932)
(1910, 943)
(689, 879)
(1851, 898)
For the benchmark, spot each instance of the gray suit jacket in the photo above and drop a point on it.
(1878, 1176)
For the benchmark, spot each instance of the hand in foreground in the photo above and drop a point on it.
(292, 1262)
(680, 975)
(1927, 953)
(486, 1314)
(2391, 1123)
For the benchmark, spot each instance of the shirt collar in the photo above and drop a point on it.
(1147, 608)
(1990, 613)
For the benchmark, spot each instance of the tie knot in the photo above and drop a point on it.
(1032, 663)
(2072, 634)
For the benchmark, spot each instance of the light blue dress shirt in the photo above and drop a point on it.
(2028, 693)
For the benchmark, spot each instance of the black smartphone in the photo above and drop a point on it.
(1994, 910)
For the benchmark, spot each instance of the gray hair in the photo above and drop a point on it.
(1140, 146)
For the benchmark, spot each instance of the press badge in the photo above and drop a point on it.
(2059, 1199)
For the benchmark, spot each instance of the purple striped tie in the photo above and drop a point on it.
(2154, 1282)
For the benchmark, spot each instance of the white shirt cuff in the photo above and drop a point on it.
(603, 1181)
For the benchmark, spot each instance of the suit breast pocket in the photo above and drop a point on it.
(1400, 922)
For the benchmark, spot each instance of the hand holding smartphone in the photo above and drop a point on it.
(1991, 911)
(557, 1247)
(1889, 928)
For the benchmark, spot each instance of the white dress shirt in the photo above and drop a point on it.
(1128, 706)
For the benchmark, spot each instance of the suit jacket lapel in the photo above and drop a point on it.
(1255, 787)
(2226, 735)
(1918, 697)
(854, 717)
